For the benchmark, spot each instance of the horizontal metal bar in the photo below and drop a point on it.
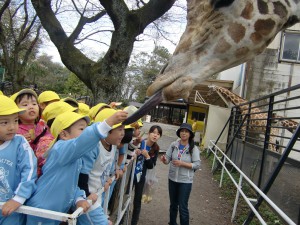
(44, 213)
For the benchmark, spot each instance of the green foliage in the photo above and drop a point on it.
(143, 70)
(47, 75)
(75, 87)
(20, 40)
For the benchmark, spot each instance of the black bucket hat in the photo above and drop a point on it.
(185, 126)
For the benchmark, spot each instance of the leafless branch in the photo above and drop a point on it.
(4, 7)
(91, 34)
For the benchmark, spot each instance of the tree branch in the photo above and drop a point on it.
(4, 7)
(82, 22)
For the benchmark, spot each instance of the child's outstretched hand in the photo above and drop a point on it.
(9, 207)
(84, 204)
(116, 118)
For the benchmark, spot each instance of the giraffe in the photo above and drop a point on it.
(257, 120)
(288, 124)
(220, 34)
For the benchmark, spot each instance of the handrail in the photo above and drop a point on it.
(238, 186)
(72, 218)
(49, 214)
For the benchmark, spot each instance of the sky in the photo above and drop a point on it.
(175, 30)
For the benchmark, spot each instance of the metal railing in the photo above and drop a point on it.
(71, 219)
(223, 159)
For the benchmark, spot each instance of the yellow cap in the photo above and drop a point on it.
(65, 120)
(95, 109)
(56, 108)
(83, 109)
(106, 113)
(47, 96)
(1, 93)
(140, 122)
(8, 106)
(70, 101)
(23, 91)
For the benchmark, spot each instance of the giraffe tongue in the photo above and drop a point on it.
(145, 108)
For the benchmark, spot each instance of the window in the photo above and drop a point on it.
(290, 46)
(198, 116)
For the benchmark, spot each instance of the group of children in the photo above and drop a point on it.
(57, 154)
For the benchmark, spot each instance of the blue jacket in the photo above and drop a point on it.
(17, 170)
(57, 188)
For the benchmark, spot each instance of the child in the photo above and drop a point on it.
(57, 188)
(83, 109)
(29, 124)
(49, 113)
(47, 97)
(102, 160)
(96, 109)
(17, 164)
(146, 159)
(71, 101)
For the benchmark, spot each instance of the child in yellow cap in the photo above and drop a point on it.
(96, 109)
(17, 164)
(49, 114)
(71, 101)
(30, 125)
(46, 98)
(57, 188)
(83, 109)
(97, 169)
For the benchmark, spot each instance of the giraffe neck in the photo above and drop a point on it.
(233, 98)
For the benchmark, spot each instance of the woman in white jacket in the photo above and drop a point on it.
(185, 160)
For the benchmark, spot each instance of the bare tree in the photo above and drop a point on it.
(105, 75)
(19, 37)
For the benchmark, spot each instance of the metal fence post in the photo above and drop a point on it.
(237, 198)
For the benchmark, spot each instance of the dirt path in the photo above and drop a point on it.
(206, 205)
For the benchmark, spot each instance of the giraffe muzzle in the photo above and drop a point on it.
(153, 101)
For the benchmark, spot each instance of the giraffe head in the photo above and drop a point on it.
(220, 34)
(216, 39)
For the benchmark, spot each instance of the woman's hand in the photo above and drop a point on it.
(177, 163)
